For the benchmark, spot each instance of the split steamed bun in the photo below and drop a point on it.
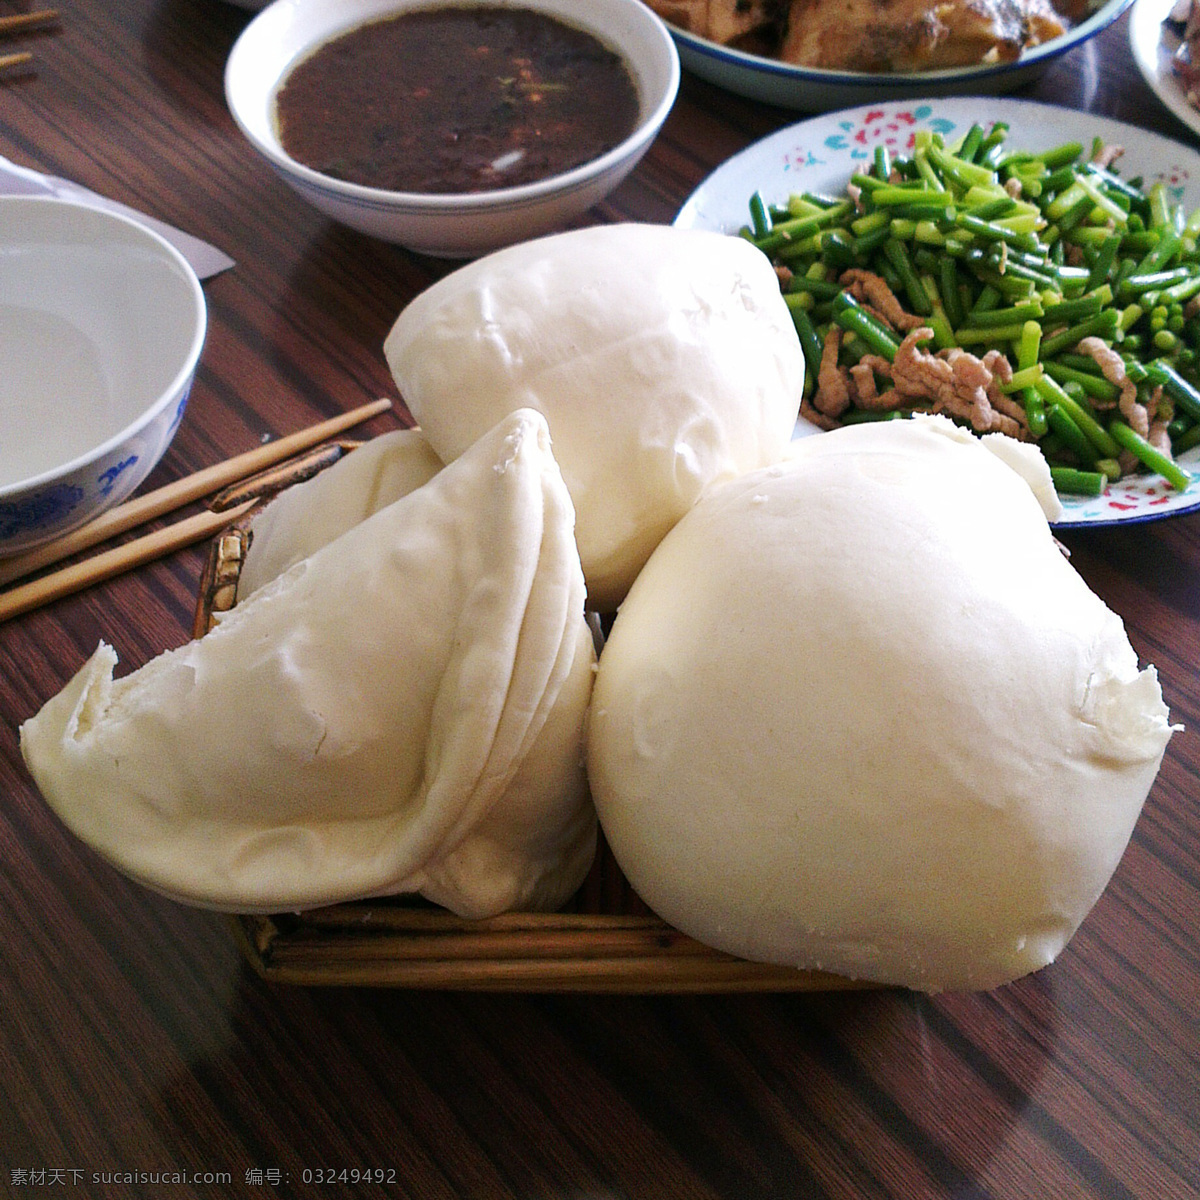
(303, 518)
(378, 719)
(859, 713)
(664, 360)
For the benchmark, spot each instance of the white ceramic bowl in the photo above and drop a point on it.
(810, 89)
(450, 226)
(101, 326)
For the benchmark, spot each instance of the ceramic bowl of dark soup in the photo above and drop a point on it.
(450, 127)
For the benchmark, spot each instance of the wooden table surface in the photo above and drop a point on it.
(135, 1039)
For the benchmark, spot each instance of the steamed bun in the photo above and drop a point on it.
(376, 719)
(303, 518)
(859, 713)
(664, 360)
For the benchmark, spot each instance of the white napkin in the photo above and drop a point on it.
(205, 260)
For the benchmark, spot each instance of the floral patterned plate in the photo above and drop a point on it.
(820, 154)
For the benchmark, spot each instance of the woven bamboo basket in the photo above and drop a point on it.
(605, 940)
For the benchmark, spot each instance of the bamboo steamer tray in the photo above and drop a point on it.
(605, 940)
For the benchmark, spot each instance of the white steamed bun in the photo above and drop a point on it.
(308, 515)
(377, 719)
(664, 360)
(859, 713)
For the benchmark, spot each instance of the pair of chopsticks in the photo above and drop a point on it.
(105, 565)
(19, 23)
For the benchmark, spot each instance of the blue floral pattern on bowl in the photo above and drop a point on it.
(108, 478)
(41, 514)
(44, 509)
(64, 262)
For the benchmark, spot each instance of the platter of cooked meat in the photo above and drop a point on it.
(816, 55)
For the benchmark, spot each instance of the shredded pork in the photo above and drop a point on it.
(1113, 368)
(832, 397)
(952, 381)
(872, 291)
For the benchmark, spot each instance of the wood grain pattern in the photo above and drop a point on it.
(134, 1036)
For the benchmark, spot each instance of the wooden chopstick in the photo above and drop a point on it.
(112, 562)
(19, 22)
(183, 491)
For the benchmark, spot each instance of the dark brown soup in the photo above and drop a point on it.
(456, 99)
